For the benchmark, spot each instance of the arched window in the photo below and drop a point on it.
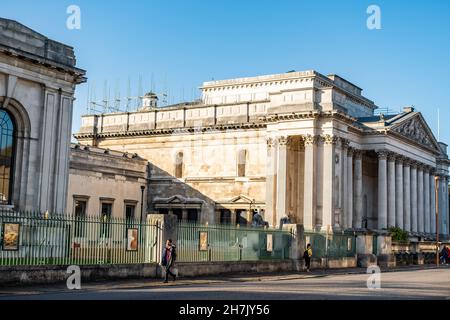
(242, 160)
(7, 133)
(179, 165)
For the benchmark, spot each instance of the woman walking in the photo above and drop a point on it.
(307, 256)
(168, 259)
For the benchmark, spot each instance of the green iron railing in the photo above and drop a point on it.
(331, 245)
(196, 243)
(42, 239)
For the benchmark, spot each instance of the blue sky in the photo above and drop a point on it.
(180, 44)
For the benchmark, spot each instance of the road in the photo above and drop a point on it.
(408, 284)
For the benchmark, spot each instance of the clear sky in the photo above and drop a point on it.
(180, 44)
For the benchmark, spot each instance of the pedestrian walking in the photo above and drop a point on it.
(307, 256)
(168, 259)
(444, 255)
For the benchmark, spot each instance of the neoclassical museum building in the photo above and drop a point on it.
(299, 145)
(38, 77)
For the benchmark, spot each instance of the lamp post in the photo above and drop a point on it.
(142, 201)
(436, 182)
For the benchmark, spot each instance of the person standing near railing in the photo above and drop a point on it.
(168, 259)
(307, 256)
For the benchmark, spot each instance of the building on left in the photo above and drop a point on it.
(38, 77)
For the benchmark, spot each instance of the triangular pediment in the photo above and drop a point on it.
(176, 199)
(241, 199)
(416, 129)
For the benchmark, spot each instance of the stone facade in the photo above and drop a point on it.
(298, 145)
(37, 83)
(105, 178)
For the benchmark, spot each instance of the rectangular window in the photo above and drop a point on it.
(225, 216)
(130, 217)
(80, 216)
(105, 227)
(192, 215)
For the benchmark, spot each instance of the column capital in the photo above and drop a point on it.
(271, 142)
(329, 139)
(344, 143)
(401, 159)
(391, 156)
(284, 140)
(350, 151)
(421, 166)
(382, 154)
(358, 154)
(310, 140)
(414, 164)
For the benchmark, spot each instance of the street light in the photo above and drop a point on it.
(142, 201)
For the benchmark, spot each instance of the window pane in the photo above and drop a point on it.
(106, 217)
(80, 214)
(6, 156)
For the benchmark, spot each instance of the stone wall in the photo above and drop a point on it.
(98, 175)
(25, 275)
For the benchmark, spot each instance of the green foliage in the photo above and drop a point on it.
(398, 234)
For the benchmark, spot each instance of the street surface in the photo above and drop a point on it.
(409, 283)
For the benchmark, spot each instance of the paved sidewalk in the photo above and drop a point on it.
(139, 284)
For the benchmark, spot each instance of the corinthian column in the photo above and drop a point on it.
(406, 196)
(420, 200)
(391, 190)
(413, 197)
(432, 202)
(399, 194)
(310, 183)
(382, 190)
(426, 211)
(281, 179)
(329, 143)
(349, 190)
(269, 213)
(358, 190)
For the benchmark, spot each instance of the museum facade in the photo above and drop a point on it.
(300, 146)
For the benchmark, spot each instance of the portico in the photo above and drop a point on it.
(379, 177)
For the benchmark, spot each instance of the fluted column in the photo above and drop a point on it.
(432, 202)
(445, 206)
(358, 190)
(349, 189)
(399, 193)
(420, 200)
(391, 191)
(447, 213)
(328, 182)
(426, 211)
(413, 197)
(344, 184)
(406, 196)
(281, 206)
(441, 203)
(382, 190)
(271, 162)
(310, 183)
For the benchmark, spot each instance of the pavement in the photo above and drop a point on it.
(410, 282)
